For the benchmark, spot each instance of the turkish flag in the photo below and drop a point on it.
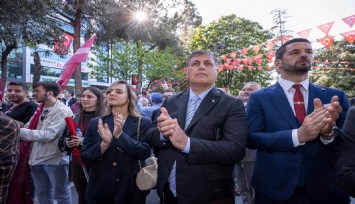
(305, 33)
(245, 51)
(350, 20)
(325, 28)
(270, 44)
(61, 46)
(327, 41)
(256, 48)
(349, 36)
(285, 38)
(80, 56)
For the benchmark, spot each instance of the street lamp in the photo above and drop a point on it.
(219, 46)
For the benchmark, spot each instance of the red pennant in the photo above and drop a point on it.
(349, 36)
(305, 33)
(224, 57)
(285, 38)
(233, 54)
(63, 45)
(245, 51)
(257, 59)
(250, 68)
(350, 20)
(270, 44)
(270, 55)
(269, 68)
(256, 48)
(260, 68)
(325, 28)
(327, 41)
(229, 60)
(241, 67)
(220, 68)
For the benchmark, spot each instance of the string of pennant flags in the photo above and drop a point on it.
(231, 62)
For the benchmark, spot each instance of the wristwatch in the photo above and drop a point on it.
(335, 132)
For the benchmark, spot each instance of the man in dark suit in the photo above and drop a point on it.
(346, 159)
(69, 99)
(197, 154)
(294, 133)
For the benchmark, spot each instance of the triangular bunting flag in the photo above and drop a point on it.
(305, 33)
(256, 48)
(270, 44)
(327, 41)
(325, 28)
(349, 36)
(349, 20)
(284, 38)
(245, 51)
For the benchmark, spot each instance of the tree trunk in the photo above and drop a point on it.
(4, 56)
(38, 67)
(77, 25)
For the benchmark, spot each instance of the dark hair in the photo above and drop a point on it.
(281, 51)
(48, 86)
(22, 84)
(202, 52)
(132, 97)
(71, 92)
(100, 98)
(79, 95)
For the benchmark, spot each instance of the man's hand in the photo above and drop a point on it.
(313, 123)
(334, 109)
(170, 129)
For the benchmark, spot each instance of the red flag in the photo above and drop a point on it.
(80, 56)
(350, 20)
(305, 33)
(349, 36)
(256, 48)
(327, 41)
(270, 44)
(245, 51)
(285, 38)
(325, 28)
(61, 47)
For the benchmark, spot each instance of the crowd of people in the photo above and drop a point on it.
(291, 142)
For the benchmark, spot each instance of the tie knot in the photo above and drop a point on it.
(297, 86)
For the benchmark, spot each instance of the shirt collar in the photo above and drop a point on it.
(287, 85)
(201, 96)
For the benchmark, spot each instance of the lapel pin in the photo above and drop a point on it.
(212, 100)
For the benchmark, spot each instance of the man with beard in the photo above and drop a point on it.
(49, 166)
(293, 124)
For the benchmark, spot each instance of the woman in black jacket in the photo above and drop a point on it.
(91, 107)
(112, 148)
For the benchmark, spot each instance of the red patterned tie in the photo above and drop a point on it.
(298, 103)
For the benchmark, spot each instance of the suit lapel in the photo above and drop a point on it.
(211, 99)
(278, 97)
(315, 92)
(182, 107)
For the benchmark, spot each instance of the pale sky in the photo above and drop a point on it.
(304, 14)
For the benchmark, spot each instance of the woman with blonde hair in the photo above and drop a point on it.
(112, 147)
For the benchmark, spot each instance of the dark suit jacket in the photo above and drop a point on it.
(71, 101)
(279, 167)
(346, 160)
(112, 174)
(217, 134)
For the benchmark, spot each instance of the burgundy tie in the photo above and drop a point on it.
(298, 103)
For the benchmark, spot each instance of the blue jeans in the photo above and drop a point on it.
(51, 183)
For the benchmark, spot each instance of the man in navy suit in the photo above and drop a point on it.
(295, 161)
(197, 156)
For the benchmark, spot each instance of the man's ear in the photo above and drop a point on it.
(278, 64)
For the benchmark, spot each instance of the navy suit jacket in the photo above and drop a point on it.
(280, 167)
(112, 174)
(346, 160)
(218, 133)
